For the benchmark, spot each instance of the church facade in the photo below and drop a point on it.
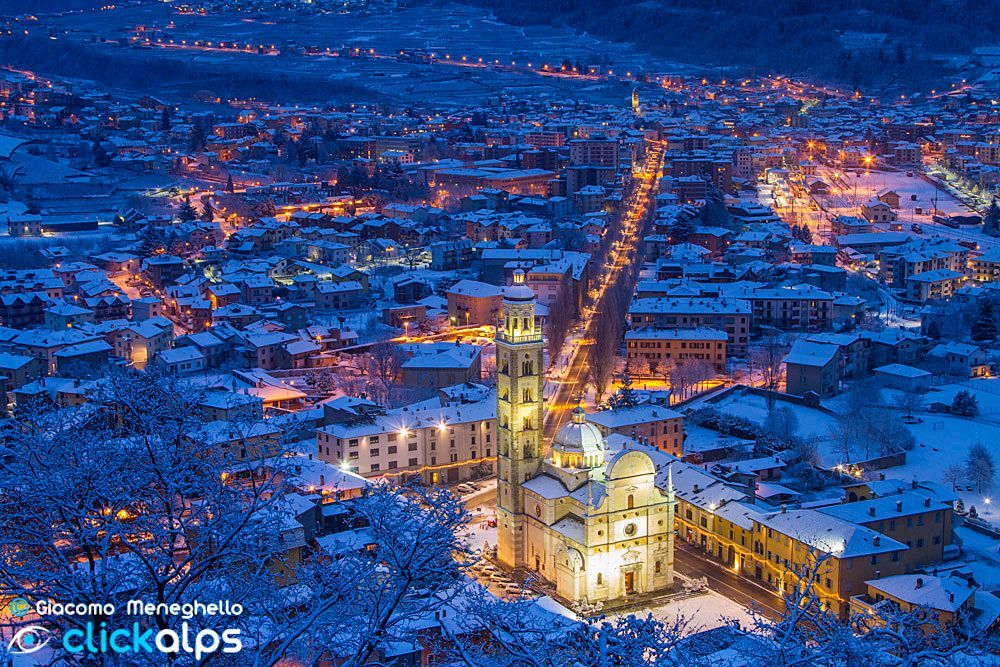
(592, 522)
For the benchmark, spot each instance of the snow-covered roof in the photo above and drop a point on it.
(639, 414)
(808, 353)
(886, 507)
(902, 370)
(695, 333)
(942, 593)
(830, 534)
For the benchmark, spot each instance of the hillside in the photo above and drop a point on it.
(853, 42)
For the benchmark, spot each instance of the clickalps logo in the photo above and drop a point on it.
(93, 639)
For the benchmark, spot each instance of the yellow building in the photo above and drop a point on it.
(594, 524)
(938, 599)
(789, 545)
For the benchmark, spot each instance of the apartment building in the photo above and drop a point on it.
(436, 441)
(723, 314)
(656, 425)
(798, 306)
(660, 347)
(986, 267)
(596, 151)
(471, 302)
(790, 545)
(897, 263)
(915, 519)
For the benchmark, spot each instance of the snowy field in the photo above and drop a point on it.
(982, 557)
(852, 189)
(941, 439)
(703, 612)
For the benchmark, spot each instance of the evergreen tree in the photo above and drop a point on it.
(806, 234)
(960, 506)
(965, 404)
(680, 230)
(973, 514)
(625, 397)
(101, 157)
(985, 325)
(934, 330)
(165, 119)
(714, 212)
(198, 137)
(291, 152)
(207, 212)
(152, 239)
(991, 221)
(187, 212)
(229, 184)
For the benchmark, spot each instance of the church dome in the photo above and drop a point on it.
(578, 444)
(519, 291)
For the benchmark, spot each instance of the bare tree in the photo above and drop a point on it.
(809, 633)
(131, 495)
(386, 363)
(560, 319)
(980, 466)
(909, 401)
(603, 355)
(767, 362)
(782, 424)
(953, 474)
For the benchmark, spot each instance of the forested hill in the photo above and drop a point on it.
(18, 7)
(794, 36)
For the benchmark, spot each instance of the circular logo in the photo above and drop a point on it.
(19, 608)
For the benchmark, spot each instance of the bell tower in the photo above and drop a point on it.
(519, 415)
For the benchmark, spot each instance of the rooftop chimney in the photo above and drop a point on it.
(876, 540)
(927, 502)
(899, 505)
(871, 510)
(920, 582)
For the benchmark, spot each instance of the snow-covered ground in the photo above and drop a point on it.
(982, 557)
(941, 439)
(477, 533)
(852, 189)
(703, 612)
(753, 407)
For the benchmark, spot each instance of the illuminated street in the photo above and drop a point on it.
(571, 381)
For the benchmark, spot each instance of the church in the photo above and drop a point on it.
(591, 521)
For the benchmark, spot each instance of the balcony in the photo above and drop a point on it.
(532, 337)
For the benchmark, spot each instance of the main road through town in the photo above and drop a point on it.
(572, 382)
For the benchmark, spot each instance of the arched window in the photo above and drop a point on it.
(526, 396)
(630, 501)
(527, 368)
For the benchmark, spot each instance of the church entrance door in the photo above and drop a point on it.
(629, 583)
